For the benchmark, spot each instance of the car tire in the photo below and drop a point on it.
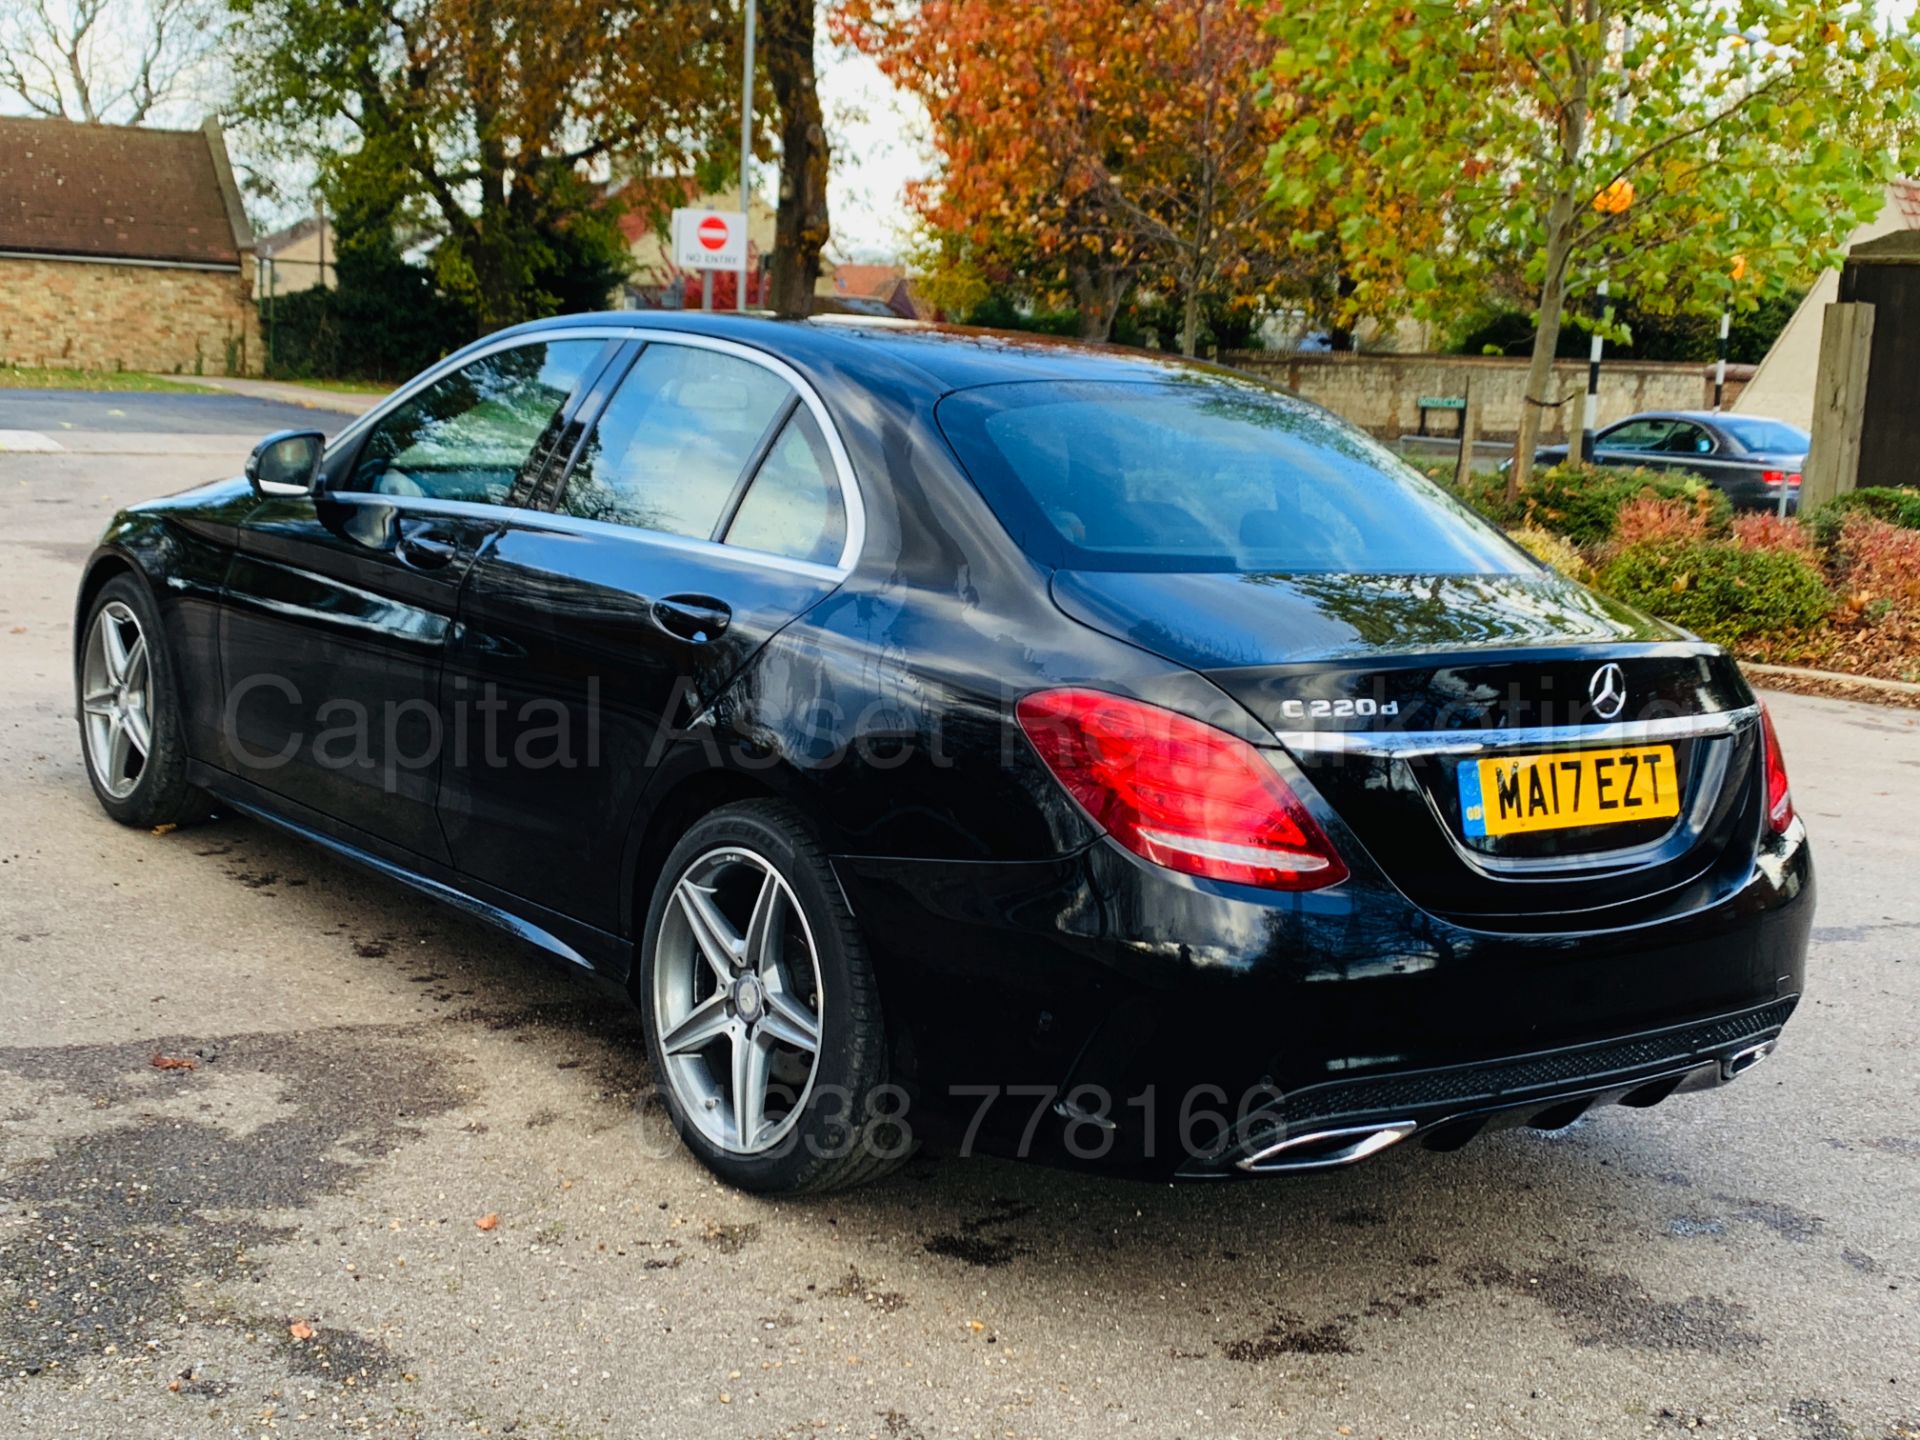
(126, 693)
(829, 1120)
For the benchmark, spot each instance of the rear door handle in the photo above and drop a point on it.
(424, 550)
(696, 619)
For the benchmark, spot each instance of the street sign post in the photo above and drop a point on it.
(709, 240)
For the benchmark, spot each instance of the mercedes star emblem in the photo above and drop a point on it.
(1607, 691)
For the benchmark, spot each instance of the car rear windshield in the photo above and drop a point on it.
(1766, 436)
(1206, 473)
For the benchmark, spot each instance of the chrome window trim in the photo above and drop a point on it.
(851, 500)
(552, 520)
(1396, 743)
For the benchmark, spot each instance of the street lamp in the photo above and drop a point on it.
(746, 159)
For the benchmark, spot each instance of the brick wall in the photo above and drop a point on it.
(1381, 392)
(126, 317)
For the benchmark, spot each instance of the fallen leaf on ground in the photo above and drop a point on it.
(976, 1326)
(175, 1062)
(300, 1330)
(486, 1222)
(167, 829)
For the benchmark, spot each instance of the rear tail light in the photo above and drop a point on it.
(1777, 478)
(1779, 797)
(1178, 792)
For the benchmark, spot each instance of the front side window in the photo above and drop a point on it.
(1206, 473)
(793, 507)
(469, 435)
(674, 441)
(1638, 435)
(1687, 440)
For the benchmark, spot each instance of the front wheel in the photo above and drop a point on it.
(763, 1021)
(130, 730)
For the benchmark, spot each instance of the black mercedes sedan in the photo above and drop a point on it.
(1753, 459)
(957, 737)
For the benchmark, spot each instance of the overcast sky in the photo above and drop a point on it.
(880, 142)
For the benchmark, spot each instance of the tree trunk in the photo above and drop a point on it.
(1561, 214)
(1096, 295)
(1190, 322)
(801, 231)
(1546, 339)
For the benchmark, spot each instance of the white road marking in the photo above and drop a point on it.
(28, 440)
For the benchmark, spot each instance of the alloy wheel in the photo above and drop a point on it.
(116, 699)
(737, 1000)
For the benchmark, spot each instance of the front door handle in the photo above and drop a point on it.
(424, 550)
(696, 619)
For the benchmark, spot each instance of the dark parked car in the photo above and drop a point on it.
(1751, 458)
(946, 734)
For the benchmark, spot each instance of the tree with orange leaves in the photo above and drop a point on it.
(1092, 146)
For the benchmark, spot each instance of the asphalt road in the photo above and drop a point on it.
(54, 412)
(282, 1240)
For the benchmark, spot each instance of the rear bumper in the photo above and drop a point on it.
(1327, 1126)
(1146, 1019)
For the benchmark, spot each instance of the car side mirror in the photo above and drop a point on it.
(285, 463)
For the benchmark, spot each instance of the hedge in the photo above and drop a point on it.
(1580, 501)
(1719, 589)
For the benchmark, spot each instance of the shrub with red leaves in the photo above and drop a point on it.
(1646, 519)
(1879, 567)
(1770, 532)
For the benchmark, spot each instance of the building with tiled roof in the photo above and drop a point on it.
(123, 248)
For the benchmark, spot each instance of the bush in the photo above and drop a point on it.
(1879, 566)
(1719, 589)
(1897, 505)
(1582, 502)
(1646, 520)
(382, 319)
(1770, 532)
(1551, 549)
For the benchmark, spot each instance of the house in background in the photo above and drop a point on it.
(1782, 386)
(296, 258)
(123, 248)
(869, 290)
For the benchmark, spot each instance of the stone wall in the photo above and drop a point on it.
(93, 316)
(1380, 392)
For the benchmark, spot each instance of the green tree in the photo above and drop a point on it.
(1687, 154)
(485, 116)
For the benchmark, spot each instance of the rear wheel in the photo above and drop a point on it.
(130, 731)
(763, 1022)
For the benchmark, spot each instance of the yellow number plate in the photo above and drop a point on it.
(1557, 792)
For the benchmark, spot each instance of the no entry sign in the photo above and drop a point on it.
(709, 239)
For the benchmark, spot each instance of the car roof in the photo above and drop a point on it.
(943, 357)
(1700, 417)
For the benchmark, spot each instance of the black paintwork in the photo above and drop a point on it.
(1015, 944)
(1731, 467)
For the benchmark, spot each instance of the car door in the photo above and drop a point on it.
(709, 505)
(338, 604)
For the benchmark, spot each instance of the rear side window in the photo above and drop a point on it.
(1760, 436)
(674, 440)
(793, 507)
(1206, 473)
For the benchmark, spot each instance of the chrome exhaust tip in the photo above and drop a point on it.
(1742, 1061)
(1326, 1149)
